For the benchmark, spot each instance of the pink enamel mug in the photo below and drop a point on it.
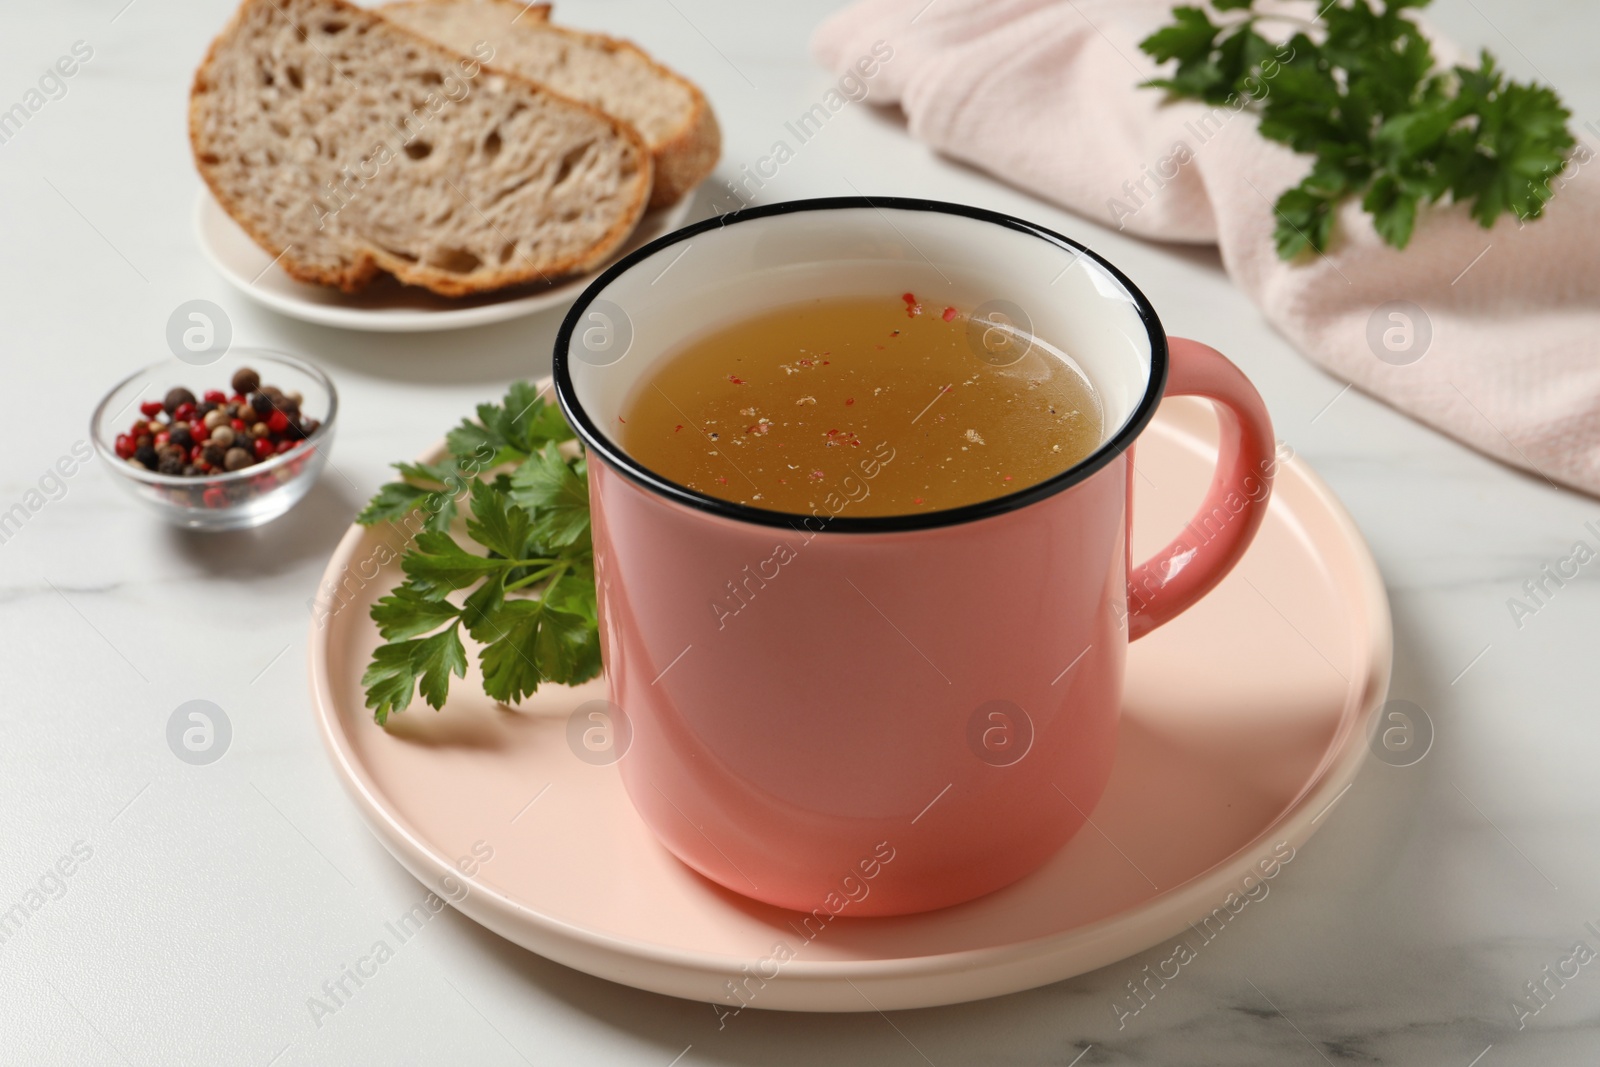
(854, 715)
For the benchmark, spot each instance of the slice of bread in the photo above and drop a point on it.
(613, 75)
(346, 145)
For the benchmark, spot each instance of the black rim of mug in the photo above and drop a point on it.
(599, 444)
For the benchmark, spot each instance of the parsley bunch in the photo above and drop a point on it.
(1380, 121)
(531, 604)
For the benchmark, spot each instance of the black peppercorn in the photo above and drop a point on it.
(176, 396)
(245, 381)
(262, 403)
(214, 454)
(147, 457)
(170, 463)
(181, 436)
(205, 409)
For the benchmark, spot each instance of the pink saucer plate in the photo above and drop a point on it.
(1244, 722)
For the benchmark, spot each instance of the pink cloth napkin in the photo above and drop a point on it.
(1043, 94)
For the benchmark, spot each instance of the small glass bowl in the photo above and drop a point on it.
(230, 500)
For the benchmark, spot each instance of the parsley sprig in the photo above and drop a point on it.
(1381, 123)
(530, 599)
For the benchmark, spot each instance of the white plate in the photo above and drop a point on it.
(386, 306)
(1245, 720)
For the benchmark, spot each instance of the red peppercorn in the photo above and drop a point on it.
(216, 396)
(236, 398)
(284, 446)
(196, 453)
(150, 409)
(263, 448)
(198, 431)
(238, 425)
(183, 413)
(277, 422)
(215, 497)
(162, 438)
(125, 446)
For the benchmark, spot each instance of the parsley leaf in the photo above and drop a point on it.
(526, 562)
(514, 429)
(431, 489)
(531, 641)
(508, 432)
(392, 503)
(550, 487)
(406, 612)
(400, 667)
(436, 563)
(1365, 101)
(1190, 40)
(497, 525)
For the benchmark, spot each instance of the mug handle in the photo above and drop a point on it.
(1172, 580)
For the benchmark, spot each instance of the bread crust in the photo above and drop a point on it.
(366, 262)
(682, 160)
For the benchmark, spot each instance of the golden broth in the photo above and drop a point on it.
(779, 409)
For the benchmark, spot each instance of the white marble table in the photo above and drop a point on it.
(215, 900)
